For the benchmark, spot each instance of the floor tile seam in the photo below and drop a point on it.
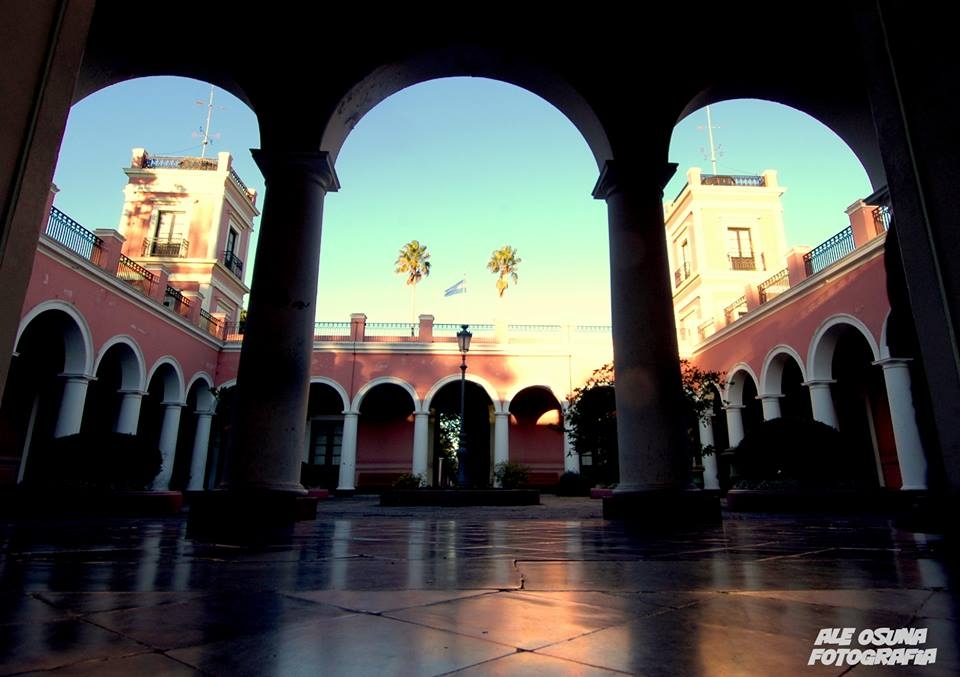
(92, 661)
(538, 653)
(448, 631)
(383, 612)
(655, 609)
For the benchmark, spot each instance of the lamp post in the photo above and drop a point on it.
(463, 342)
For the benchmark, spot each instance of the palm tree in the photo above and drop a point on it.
(504, 263)
(414, 262)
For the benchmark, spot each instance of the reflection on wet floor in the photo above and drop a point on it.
(542, 590)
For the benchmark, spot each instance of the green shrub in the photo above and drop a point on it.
(409, 481)
(510, 475)
(573, 484)
(99, 461)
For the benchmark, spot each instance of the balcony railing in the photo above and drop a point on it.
(211, 324)
(176, 301)
(828, 252)
(742, 262)
(136, 275)
(233, 263)
(736, 310)
(178, 162)
(74, 237)
(240, 184)
(774, 286)
(881, 219)
(681, 274)
(175, 247)
(732, 180)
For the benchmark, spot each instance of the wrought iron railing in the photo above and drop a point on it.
(742, 262)
(174, 299)
(774, 286)
(233, 263)
(175, 247)
(732, 180)
(736, 310)
(73, 236)
(178, 162)
(681, 274)
(331, 330)
(391, 329)
(881, 219)
(705, 330)
(240, 184)
(211, 324)
(136, 275)
(830, 251)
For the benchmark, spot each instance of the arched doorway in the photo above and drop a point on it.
(384, 436)
(477, 426)
(324, 437)
(192, 448)
(536, 434)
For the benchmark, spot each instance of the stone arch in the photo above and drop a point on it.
(733, 389)
(134, 375)
(205, 401)
(498, 406)
(173, 383)
(824, 343)
(515, 390)
(465, 60)
(341, 391)
(370, 385)
(78, 357)
(772, 371)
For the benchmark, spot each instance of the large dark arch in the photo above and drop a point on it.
(536, 434)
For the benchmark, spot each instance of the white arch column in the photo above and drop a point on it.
(734, 414)
(169, 429)
(501, 437)
(71, 405)
(654, 463)
(913, 462)
(273, 377)
(129, 416)
(348, 452)
(821, 401)
(771, 406)
(421, 437)
(711, 478)
(201, 446)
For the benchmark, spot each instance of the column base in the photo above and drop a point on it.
(664, 509)
(251, 517)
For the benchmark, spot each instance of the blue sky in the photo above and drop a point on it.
(465, 165)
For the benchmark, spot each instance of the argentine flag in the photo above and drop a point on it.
(458, 288)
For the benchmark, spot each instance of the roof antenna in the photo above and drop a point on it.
(715, 151)
(205, 130)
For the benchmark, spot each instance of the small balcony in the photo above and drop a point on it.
(233, 263)
(743, 263)
(174, 248)
(681, 274)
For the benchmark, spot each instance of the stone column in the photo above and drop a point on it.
(821, 402)
(201, 444)
(348, 452)
(771, 406)
(654, 463)
(421, 427)
(710, 474)
(501, 437)
(129, 416)
(71, 406)
(734, 423)
(168, 443)
(273, 377)
(913, 462)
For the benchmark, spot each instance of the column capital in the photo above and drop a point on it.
(891, 362)
(279, 164)
(169, 403)
(819, 382)
(131, 391)
(77, 378)
(615, 175)
(503, 414)
(733, 407)
(352, 414)
(425, 412)
(770, 397)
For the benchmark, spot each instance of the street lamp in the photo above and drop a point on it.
(463, 342)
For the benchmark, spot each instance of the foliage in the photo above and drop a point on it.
(449, 440)
(591, 418)
(99, 461)
(504, 263)
(572, 484)
(413, 261)
(794, 452)
(409, 481)
(591, 421)
(510, 475)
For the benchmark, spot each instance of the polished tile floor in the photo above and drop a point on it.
(544, 590)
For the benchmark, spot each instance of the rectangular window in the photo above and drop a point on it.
(326, 441)
(740, 249)
(232, 237)
(168, 224)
